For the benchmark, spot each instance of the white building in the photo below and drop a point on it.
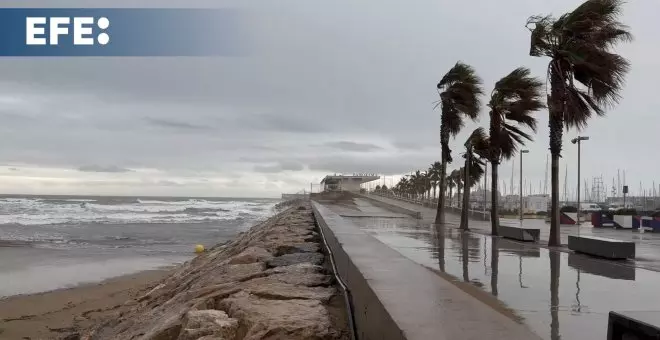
(509, 202)
(533, 204)
(477, 199)
(346, 182)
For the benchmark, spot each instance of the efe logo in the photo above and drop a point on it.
(82, 27)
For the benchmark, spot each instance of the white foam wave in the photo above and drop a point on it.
(28, 211)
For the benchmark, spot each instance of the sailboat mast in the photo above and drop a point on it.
(513, 167)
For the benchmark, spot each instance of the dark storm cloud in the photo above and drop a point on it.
(100, 168)
(352, 146)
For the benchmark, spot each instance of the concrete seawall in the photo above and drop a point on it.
(473, 214)
(391, 207)
(394, 298)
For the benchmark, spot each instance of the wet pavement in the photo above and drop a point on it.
(647, 244)
(559, 295)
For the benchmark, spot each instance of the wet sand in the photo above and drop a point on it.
(55, 314)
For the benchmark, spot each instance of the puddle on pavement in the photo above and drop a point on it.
(559, 295)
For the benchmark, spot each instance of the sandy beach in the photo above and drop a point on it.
(55, 314)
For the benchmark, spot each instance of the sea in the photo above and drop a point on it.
(52, 242)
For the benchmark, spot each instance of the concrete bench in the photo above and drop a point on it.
(603, 247)
(633, 325)
(520, 233)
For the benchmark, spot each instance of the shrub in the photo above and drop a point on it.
(568, 209)
(626, 212)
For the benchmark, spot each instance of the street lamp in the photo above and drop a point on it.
(578, 140)
(521, 184)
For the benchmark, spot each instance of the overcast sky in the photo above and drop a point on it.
(330, 86)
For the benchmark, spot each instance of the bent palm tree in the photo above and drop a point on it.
(461, 88)
(512, 102)
(476, 147)
(579, 45)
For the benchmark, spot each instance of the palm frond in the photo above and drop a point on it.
(513, 101)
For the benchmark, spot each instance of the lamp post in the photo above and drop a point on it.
(521, 184)
(577, 140)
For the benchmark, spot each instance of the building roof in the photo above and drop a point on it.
(364, 178)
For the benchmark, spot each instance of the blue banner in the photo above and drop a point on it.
(121, 32)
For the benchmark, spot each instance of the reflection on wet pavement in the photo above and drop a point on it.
(647, 244)
(559, 295)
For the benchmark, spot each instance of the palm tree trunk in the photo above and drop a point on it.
(458, 196)
(556, 110)
(451, 195)
(440, 212)
(494, 199)
(466, 192)
(494, 264)
(444, 159)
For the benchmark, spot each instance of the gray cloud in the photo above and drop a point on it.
(161, 122)
(407, 145)
(317, 74)
(169, 183)
(389, 165)
(100, 168)
(279, 167)
(353, 146)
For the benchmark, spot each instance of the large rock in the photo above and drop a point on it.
(276, 289)
(280, 319)
(251, 255)
(296, 258)
(203, 323)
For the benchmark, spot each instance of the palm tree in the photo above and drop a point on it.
(461, 88)
(512, 102)
(476, 146)
(450, 185)
(434, 172)
(400, 187)
(457, 178)
(417, 185)
(579, 45)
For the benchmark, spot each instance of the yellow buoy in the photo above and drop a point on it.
(199, 248)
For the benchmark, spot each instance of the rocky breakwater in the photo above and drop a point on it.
(271, 282)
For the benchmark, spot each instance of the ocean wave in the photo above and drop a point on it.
(62, 210)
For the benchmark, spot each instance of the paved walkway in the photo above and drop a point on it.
(558, 294)
(647, 244)
(396, 298)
